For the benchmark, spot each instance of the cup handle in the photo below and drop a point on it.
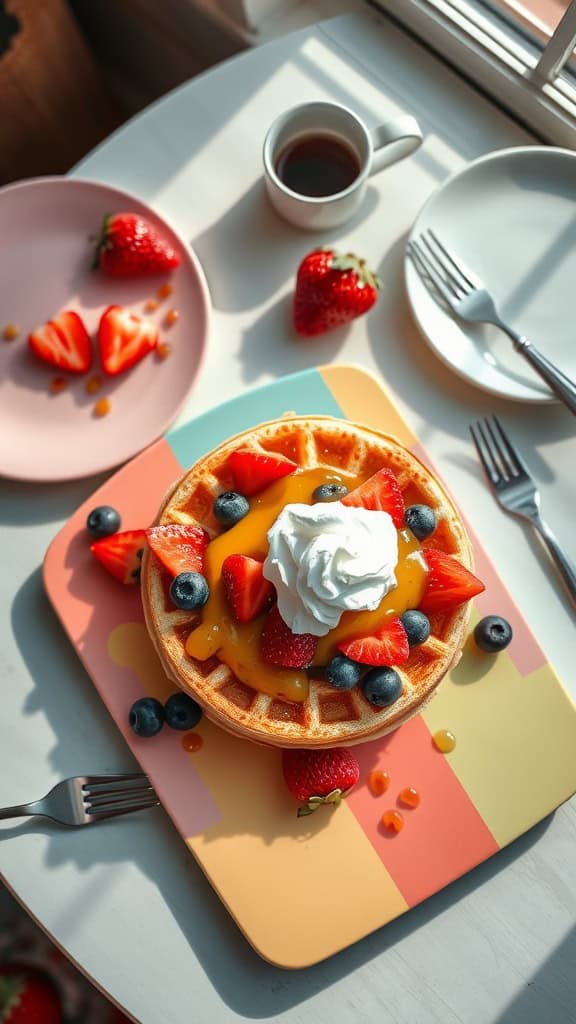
(393, 141)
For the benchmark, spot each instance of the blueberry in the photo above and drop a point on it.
(230, 507)
(417, 626)
(330, 492)
(189, 590)
(421, 520)
(146, 716)
(382, 686)
(182, 712)
(493, 633)
(103, 521)
(343, 673)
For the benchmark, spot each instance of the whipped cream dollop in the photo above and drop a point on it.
(329, 558)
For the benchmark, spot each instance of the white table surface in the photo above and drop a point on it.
(126, 900)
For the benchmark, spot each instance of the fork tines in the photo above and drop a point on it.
(118, 794)
(501, 461)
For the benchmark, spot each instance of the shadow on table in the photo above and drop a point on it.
(250, 986)
(23, 504)
(264, 250)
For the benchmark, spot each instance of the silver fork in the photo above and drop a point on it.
(86, 799)
(515, 490)
(467, 297)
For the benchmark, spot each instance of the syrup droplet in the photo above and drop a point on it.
(102, 407)
(410, 797)
(393, 820)
(151, 305)
(192, 742)
(58, 384)
(171, 317)
(165, 290)
(163, 350)
(378, 782)
(444, 741)
(10, 332)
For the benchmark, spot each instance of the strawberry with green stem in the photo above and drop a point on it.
(331, 289)
(316, 777)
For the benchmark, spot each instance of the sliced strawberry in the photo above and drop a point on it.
(124, 339)
(386, 646)
(246, 590)
(121, 554)
(252, 471)
(63, 342)
(448, 582)
(280, 646)
(179, 548)
(379, 493)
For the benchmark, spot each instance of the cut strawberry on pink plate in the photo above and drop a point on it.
(124, 338)
(49, 228)
(63, 342)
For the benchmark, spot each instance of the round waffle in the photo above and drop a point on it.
(328, 717)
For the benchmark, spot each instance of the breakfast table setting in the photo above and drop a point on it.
(343, 152)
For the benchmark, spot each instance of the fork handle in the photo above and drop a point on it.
(20, 810)
(558, 382)
(566, 568)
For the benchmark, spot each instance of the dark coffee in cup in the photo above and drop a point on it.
(317, 165)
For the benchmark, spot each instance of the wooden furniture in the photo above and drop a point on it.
(54, 105)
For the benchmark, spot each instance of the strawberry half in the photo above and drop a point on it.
(124, 339)
(280, 646)
(121, 554)
(387, 646)
(27, 994)
(252, 471)
(179, 548)
(130, 247)
(331, 289)
(448, 583)
(63, 342)
(316, 777)
(380, 492)
(245, 588)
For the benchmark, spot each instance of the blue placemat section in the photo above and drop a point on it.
(303, 393)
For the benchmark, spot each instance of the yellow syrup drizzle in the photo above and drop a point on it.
(239, 645)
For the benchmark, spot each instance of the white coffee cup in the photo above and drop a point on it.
(329, 125)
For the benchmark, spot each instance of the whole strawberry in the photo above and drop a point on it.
(331, 289)
(28, 996)
(317, 777)
(130, 247)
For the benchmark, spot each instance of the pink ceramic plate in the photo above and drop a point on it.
(47, 229)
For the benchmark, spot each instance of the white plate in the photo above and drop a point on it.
(511, 216)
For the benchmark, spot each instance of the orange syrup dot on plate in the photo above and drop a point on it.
(192, 742)
(171, 317)
(93, 384)
(163, 350)
(165, 290)
(10, 332)
(58, 384)
(378, 782)
(393, 820)
(102, 407)
(444, 741)
(410, 797)
(151, 305)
